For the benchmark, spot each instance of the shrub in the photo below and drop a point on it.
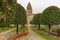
(58, 31)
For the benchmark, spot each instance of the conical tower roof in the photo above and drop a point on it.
(29, 6)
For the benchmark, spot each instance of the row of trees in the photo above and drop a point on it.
(12, 13)
(50, 16)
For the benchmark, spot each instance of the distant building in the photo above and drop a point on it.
(29, 13)
(29, 9)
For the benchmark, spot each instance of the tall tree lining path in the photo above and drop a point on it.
(32, 35)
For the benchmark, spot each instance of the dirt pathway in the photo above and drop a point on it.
(31, 36)
(5, 35)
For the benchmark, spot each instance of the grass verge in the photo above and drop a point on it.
(6, 28)
(44, 35)
(20, 29)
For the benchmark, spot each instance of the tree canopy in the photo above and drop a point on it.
(20, 16)
(37, 19)
(51, 15)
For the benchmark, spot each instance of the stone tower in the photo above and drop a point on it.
(29, 9)
(29, 14)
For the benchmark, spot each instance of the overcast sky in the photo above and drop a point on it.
(39, 5)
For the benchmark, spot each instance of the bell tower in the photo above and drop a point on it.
(29, 9)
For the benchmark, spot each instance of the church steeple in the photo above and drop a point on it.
(29, 9)
(29, 6)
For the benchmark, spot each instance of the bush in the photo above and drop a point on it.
(58, 31)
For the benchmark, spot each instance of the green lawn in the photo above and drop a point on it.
(5, 29)
(25, 28)
(43, 34)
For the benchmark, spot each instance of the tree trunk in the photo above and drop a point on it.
(49, 28)
(17, 29)
(39, 27)
(2, 27)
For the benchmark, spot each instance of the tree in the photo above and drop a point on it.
(20, 16)
(37, 20)
(7, 11)
(2, 22)
(51, 16)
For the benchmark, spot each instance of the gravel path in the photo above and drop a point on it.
(31, 36)
(5, 35)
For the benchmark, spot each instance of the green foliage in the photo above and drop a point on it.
(37, 19)
(11, 2)
(44, 35)
(6, 28)
(58, 31)
(7, 12)
(1, 22)
(11, 13)
(21, 29)
(20, 16)
(51, 15)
